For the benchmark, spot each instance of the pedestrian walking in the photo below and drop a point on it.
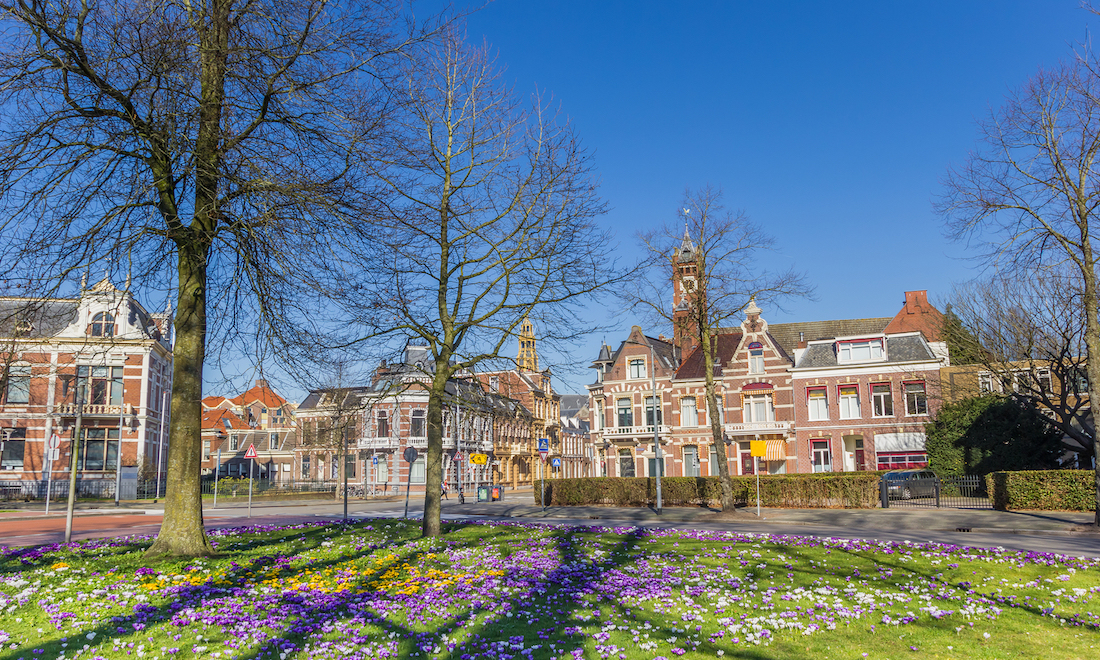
(444, 489)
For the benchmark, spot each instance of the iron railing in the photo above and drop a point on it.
(966, 492)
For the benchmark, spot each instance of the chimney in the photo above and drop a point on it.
(801, 339)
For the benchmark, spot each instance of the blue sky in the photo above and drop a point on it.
(832, 124)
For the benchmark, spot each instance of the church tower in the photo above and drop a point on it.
(528, 359)
(685, 288)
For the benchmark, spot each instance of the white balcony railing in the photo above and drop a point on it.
(90, 409)
(616, 431)
(378, 443)
(750, 428)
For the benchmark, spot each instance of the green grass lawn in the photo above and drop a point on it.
(373, 590)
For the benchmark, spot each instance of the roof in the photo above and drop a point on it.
(786, 334)
(259, 392)
(692, 367)
(571, 404)
(214, 401)
(46, 317)
(906, 348)
(220, 419)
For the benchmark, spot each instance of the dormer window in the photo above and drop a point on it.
(859, 351)
(637, 369)
(103, 325)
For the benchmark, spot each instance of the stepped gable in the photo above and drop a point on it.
(786, 334)
(692, 366)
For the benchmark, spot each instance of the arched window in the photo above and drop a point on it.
(103, 325)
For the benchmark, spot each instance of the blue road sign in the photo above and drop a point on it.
(375, 460)
(556, 462)
(544, 444)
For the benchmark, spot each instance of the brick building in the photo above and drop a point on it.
(384, 418)
(824, 396)
(101, 357)
(260, 418)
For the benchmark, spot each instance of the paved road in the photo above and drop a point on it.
(1040, 532)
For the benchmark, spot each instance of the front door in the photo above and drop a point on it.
(747, 461)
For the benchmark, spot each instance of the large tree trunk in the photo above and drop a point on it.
(717, 435)
(1092, 350)
(182, 531)
(433, 480)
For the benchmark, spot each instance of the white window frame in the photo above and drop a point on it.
(853, 351)
(812, 412)
(637, 368)
(756, 361)
(689, 411)
(918, 401)
(749, 410)
(629, 408)
(827, 464)
(880, 401)
(848, 401)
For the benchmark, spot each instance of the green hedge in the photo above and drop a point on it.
(1047, 490)
(849, 490)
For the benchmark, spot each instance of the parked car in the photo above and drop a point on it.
(907, 484)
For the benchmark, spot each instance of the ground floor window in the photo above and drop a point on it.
(305, 467)
(626, 463)
(902, 460)
(417, 470)
(714, 465)
(99, 449)
(691, 461)
(14, 447)
(822, 461)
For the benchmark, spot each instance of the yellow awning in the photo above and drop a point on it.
(776, 450)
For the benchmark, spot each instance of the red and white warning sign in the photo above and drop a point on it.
(251, 453)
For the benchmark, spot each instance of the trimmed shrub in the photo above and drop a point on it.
(1045, 490)
(851, 490)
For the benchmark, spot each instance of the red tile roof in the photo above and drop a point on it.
(213, 419)
(692, 367)
(259, 393)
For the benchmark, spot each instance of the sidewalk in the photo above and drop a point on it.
(519, 504)
(969, 520)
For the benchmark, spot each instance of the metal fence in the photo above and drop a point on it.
(967, 492)
(86, 489)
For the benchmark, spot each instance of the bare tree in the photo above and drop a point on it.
(211, 146)
(718, 262)
(489, 221)
(1029, 194)
(1027, 336)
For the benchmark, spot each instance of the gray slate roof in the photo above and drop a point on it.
(786, 334)
(898, 349)
(47, 318)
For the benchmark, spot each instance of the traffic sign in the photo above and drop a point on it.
(409, 454)
(458, 456)
(53, 454)
(55, 441)
(556, 462)
(374, 459)
(544, 445)
(251, 453)
(479, 459)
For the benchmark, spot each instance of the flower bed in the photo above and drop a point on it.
(512, 591)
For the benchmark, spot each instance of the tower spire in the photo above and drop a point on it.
(528, 359)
